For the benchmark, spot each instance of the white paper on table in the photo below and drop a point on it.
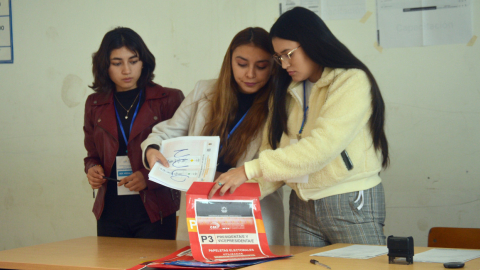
(444, 255)
(355, 252)
(408, 23)
(192, 158)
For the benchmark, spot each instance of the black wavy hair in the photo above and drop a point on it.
(115, 39)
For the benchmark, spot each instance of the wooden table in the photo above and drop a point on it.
(121, 253)
(301, 261)
(100, 253)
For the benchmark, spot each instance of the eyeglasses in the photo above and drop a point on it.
(284, 57)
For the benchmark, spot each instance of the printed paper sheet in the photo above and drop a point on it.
(191, 159)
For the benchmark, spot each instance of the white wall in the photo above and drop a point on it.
(432, 97)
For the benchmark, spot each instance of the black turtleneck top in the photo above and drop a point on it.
(245, 101)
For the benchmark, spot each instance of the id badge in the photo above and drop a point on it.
(124, 169)
(300, 179)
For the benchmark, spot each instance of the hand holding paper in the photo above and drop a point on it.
(190, 159)
(153, 155)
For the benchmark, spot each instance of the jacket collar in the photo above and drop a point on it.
(155, 91)
(146, 117)
(103, 99)
(328, 74)
(296, 88)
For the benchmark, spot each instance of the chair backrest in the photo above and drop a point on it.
(454, 237)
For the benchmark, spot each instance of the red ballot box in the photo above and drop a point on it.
(226, 228)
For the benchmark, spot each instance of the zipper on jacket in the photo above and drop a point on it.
(113, 137)
(161, 217)
(144, 197)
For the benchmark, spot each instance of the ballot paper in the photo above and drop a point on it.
(182, 255)
(226, 228)
(444, 255)
(191, 159)
(355, 252)
(183, 259)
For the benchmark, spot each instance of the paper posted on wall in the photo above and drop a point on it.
(412, 23)
(191, 159)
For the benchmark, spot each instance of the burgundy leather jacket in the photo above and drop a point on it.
(101, 142)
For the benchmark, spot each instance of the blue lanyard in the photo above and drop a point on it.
(305, 109)
(238, 123)
(235, 127)
(133, 119)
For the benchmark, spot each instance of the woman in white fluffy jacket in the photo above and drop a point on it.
(235, 108)
(324, 138)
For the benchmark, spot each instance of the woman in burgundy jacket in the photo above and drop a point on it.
(118, 117)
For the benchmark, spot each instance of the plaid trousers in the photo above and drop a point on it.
(343, 218)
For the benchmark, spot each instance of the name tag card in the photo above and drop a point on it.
(124, 169)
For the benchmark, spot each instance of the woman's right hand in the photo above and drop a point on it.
(153, 155)
(95, 176)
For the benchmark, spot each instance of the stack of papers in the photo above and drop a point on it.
(355, 252)
(191, 159)
(444, 255)
(436, 255)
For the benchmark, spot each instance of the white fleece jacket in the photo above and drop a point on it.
(189, 120)
(338, 114)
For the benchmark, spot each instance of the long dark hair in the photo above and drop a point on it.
(305, 27)
(115, 39)
(224, 101)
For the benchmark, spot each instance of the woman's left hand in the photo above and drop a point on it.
(230, 180)
(134, 182)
